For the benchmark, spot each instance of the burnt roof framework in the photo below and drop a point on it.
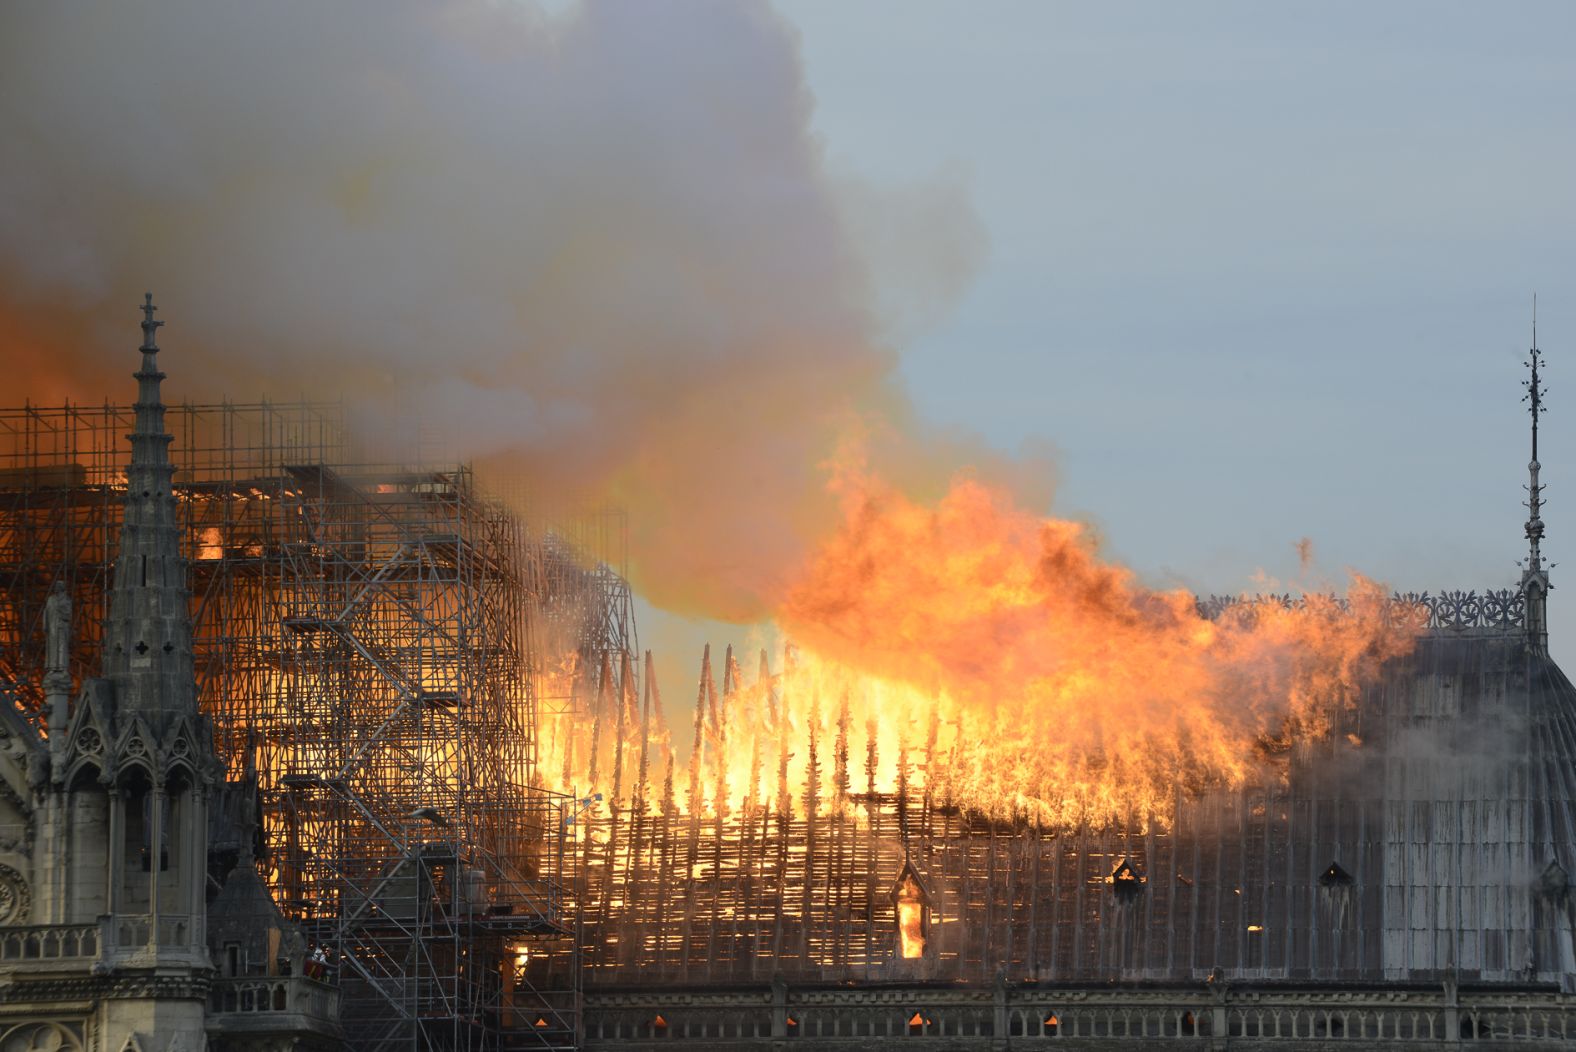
(1433, 843)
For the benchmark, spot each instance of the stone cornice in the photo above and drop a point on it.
(92, 988)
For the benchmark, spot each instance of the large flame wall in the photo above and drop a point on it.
(1406, 841)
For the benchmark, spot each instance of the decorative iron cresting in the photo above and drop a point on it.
(1504, 609)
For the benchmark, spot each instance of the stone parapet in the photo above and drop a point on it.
(273, 1004)
(36, 944)
(959, 1016)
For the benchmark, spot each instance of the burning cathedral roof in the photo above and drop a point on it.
(1367, 793)
(1422, 830)
(1428, 836)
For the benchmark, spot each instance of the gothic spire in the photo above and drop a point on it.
(148, 639)
(1535, 578)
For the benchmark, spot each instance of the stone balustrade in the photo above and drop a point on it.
(50, 942)
(1012, 1016)
(128, 937)
(110, 940)
(261, 995)
(133, 931)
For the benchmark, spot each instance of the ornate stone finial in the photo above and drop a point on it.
(1535, 578)
(149, 326)
(150, 408)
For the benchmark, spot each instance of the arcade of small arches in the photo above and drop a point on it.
(853, 1017)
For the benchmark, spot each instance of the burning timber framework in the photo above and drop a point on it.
(804, 886)
(364, 639)
(1361, 888)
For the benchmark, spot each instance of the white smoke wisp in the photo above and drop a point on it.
(600, 247)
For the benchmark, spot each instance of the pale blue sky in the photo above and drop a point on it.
(1257, 272)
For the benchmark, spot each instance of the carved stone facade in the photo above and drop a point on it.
(105, 875)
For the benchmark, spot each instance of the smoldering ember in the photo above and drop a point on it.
(305, 751)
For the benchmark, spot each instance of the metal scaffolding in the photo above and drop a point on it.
(369, 645)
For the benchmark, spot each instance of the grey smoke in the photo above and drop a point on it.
(600, 248)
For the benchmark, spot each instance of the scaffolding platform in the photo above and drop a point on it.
(369, 644)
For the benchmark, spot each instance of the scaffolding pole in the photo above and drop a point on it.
(371, 644)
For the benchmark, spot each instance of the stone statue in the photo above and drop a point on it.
(57, 629)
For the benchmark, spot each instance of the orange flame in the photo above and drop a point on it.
(994, 661)
(1066, 690)
(210, 545)
(910, 918)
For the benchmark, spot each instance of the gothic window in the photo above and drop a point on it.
(139, 828)
(164, 832)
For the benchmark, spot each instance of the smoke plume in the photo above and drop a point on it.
(600, 250)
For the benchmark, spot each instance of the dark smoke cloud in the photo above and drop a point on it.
(600, 249)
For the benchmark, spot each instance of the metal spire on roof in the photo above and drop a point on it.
(1534, 400)
(1534, 578)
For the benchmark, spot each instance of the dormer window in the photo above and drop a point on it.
(1334, 876)
(1126, 881)
(1554, 882)
(909, 902)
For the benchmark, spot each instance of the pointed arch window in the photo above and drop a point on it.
(141, 801)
